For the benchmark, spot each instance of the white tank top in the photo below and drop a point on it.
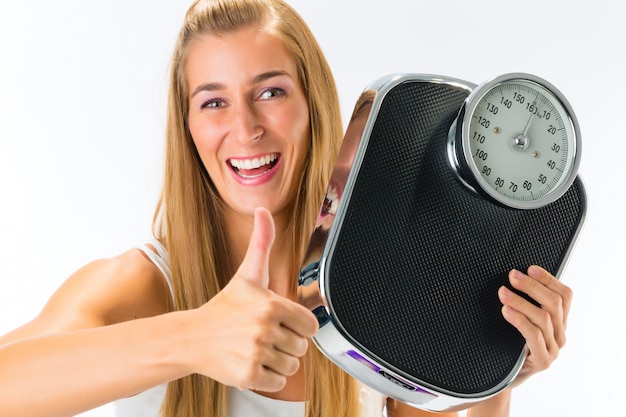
(240, 403)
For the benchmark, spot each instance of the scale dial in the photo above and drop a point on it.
(516, 139)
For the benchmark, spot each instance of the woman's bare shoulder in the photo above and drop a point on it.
(103, 292)
(139, 288)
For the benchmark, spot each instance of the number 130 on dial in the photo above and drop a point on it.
(517, 140)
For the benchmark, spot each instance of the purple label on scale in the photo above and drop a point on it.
(394, 379)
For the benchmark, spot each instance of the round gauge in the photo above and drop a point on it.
(518, 140)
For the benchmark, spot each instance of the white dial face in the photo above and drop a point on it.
(520, 142)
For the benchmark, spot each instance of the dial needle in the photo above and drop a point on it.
(525, 132)
(530, 119)
(521, 140)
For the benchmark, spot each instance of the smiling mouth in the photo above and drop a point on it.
(254, 167)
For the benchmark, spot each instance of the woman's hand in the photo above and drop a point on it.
(542, 326)
(251, 337)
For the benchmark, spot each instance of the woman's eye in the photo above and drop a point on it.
(271, 93)
(212, 104)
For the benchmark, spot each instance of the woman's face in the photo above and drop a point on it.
(249, 118)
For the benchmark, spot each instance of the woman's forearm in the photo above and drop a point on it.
(68, 373)
(497, 406)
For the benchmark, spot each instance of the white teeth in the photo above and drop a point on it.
(332, 195)
(253, 163)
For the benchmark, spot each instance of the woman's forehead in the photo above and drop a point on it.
(243, 55)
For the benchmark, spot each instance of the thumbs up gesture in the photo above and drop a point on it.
(251, 337)
(255, 266)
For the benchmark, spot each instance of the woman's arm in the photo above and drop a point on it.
(73, 356)
(95, 341)
(67, 373)
(497, 406)
(398, 409)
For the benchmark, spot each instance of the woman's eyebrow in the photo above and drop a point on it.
(208, 87)
(269, 74)
(257, 79)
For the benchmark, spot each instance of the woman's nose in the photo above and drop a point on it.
(246, 124)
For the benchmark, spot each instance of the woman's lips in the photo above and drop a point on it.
(255, 170)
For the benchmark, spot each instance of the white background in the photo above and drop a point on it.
(82, 104)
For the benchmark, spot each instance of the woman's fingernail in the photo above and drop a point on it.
(515, 274)
(505, 292)
(534, 271)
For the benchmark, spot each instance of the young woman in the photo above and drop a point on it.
(203, 320)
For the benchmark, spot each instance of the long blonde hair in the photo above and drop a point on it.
(187, 218)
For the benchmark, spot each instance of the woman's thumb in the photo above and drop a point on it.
(255, 265)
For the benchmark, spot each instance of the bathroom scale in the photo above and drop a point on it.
(440, 188)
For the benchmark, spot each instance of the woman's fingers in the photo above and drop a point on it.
(278, 349)
(542, 323)
(554, 299)
(540, 343)
(565, 293)
(249, 337)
